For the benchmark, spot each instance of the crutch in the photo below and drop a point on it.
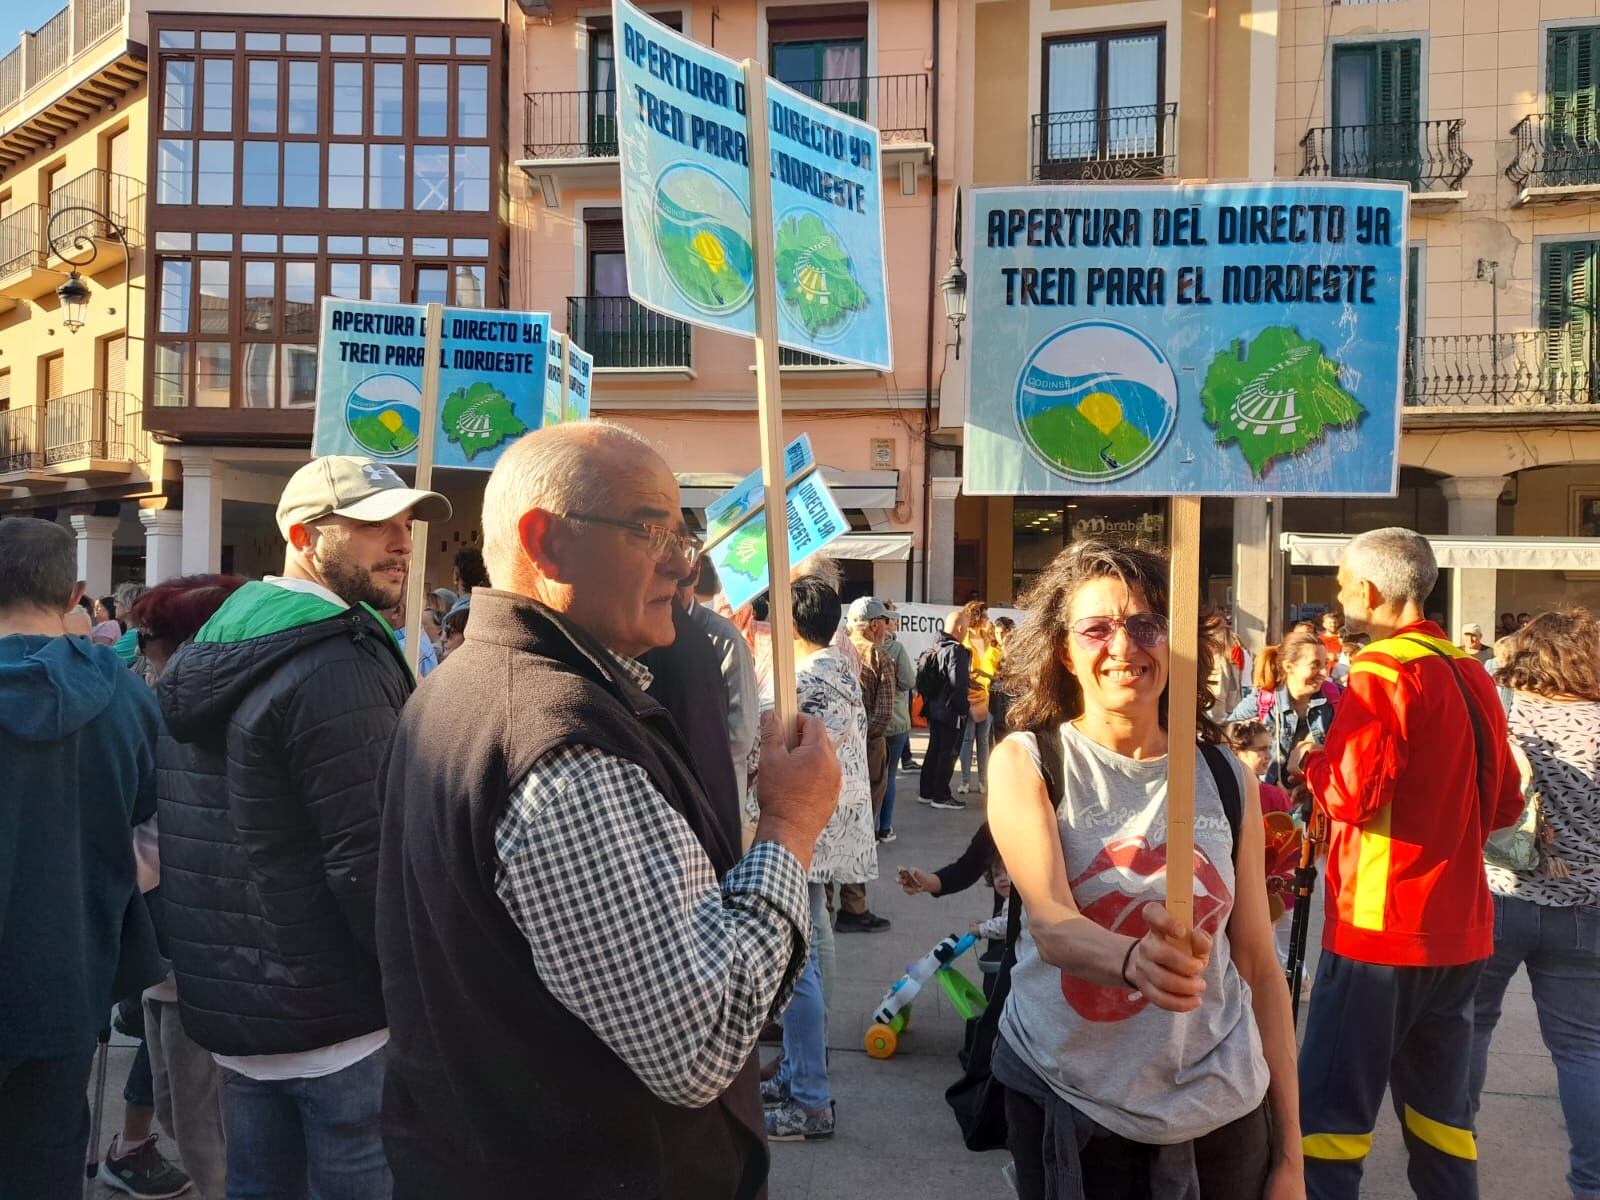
(91, 1170)
(1305, 885)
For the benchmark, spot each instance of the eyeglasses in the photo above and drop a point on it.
(1145, 630)
(662, 544)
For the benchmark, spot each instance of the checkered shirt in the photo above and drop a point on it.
(629, 928)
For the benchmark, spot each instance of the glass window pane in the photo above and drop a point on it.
(386, 245)
(433, 100)
(263, 97)
(299, 298)
(302, 97)
(260, 298)
(213, 375)
(432, 286)
(263, 41)
(470, 247)
(177, 98)
(214, 39)
(344, 280)
(347, 43)
(472, 179)
(345, 245)
(177, 39)
(430, 247)
(347, 171)
(385, 283)
(433, 45)
(477, 47)
(217, 116)
(299, 376)
(175, 172)
(303, 41)
(214, 291)
(472, 102)
(261, 174)
(214, 241)
(258, 243)
(299, 243)
(347, 102)
(172, 241)
(388, 99)
(386, 176)
(302, 174)
(216, 173)
(430, 184)
(172, 376)
(260, 375)
(177, 281)
(384, 44)
(469, 281)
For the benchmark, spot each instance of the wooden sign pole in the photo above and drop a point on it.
(428, 427)
(769, 402)
(1183, 686)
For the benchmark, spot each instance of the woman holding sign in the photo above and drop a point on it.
(1134, 1065)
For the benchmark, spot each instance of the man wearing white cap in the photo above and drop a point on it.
(1472, 642)
(280, 711)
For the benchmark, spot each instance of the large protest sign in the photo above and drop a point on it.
(742, 556)
(1187, 340)
(370, 381)
(685, 149)
(917, 626)
(725, 512)
(554, 401)
(579, 376)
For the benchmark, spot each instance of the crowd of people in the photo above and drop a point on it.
(388, 937)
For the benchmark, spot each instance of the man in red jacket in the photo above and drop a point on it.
(1416, 772)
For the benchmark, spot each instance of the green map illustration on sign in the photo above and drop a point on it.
(479, 418)
(703, 234)
(747, 552)
(1275, 396)
(816, 281)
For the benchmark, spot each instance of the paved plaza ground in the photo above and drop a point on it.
(896, 1138)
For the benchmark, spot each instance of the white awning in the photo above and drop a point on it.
(871, 547)
(867, 490)
(1456, 550)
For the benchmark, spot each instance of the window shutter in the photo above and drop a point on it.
(1568, 294)
(1399, 83)
(115, 363)
(55, 376)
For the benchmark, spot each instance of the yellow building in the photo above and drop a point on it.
(73, 125)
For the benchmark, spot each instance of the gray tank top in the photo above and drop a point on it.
(1152, 1076)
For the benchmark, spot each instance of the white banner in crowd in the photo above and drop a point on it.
(917, 625)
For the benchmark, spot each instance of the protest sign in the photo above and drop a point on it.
(1227, 339)
(491, 370)
(743, 557)
(554, 402)
(917, 626)
(579, 375)
(739, 501)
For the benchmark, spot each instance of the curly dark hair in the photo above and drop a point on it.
(1555, 654)
(1044, 693)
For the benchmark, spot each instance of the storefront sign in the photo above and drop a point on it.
(369, 381)
(741, 557)
(1186, 340)
(683, 136)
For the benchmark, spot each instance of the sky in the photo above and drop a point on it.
(17, 15)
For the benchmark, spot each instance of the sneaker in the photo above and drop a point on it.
(949, 802)
(860, 923)
(983, 788)
(962, 790)
(142, 1172)
(924, 799)
(910, 764)
(791, 1123)
(774, 1093)
(886, 835)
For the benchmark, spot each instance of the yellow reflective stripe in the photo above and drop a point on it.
(1405, 649)
(1449, 1139)
(1372, 873)
(1339, 1146)
(1373, 668)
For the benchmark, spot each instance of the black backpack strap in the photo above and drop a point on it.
(1483, 761)
(1222, 773)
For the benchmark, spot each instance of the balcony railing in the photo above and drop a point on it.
(117, 196)
(21, 440)
(1523, 369)
(71, 31)
(896, 104)
(98, 18)
(1425, 154)
(1135, 142)
(1556, 150)
(802, 358)
(10, 78)
(22, 244)
(625, 335)
(94, 424)
(52, 47)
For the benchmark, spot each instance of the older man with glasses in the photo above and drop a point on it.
(577, 960)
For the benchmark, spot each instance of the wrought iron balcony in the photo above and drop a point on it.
(627, 336)
(1556, 150)
(22, 242)
(1425, 154)
(94, 425)
(116, 196)
(896, 104)
(21, 439)
(1135, 142)
(1503, 370)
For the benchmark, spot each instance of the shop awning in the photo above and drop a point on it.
(1455, 550)
(871, 547)
(866, 490)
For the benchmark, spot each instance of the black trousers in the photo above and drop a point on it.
(44, 1126)
(944, 742)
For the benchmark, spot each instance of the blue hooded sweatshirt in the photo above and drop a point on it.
(77, 744)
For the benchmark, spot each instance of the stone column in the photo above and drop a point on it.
(941, 535)
(1474, 505)
(1255, 554)
(202, 513)
(94, 551)
(163, 544)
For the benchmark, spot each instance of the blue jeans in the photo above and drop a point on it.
(307, 1139)
(1561, 949)
(976, 735)
(896, 745)
(805, 1024)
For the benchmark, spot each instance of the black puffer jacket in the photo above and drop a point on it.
(278, 715)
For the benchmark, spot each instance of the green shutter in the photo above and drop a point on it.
(1573, 69)
(1399, 99)
(1568, 298)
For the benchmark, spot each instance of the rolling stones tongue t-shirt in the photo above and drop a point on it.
(1147, 1074)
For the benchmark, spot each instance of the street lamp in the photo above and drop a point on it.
(954, 285)
(74, 296)
(78, 246)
